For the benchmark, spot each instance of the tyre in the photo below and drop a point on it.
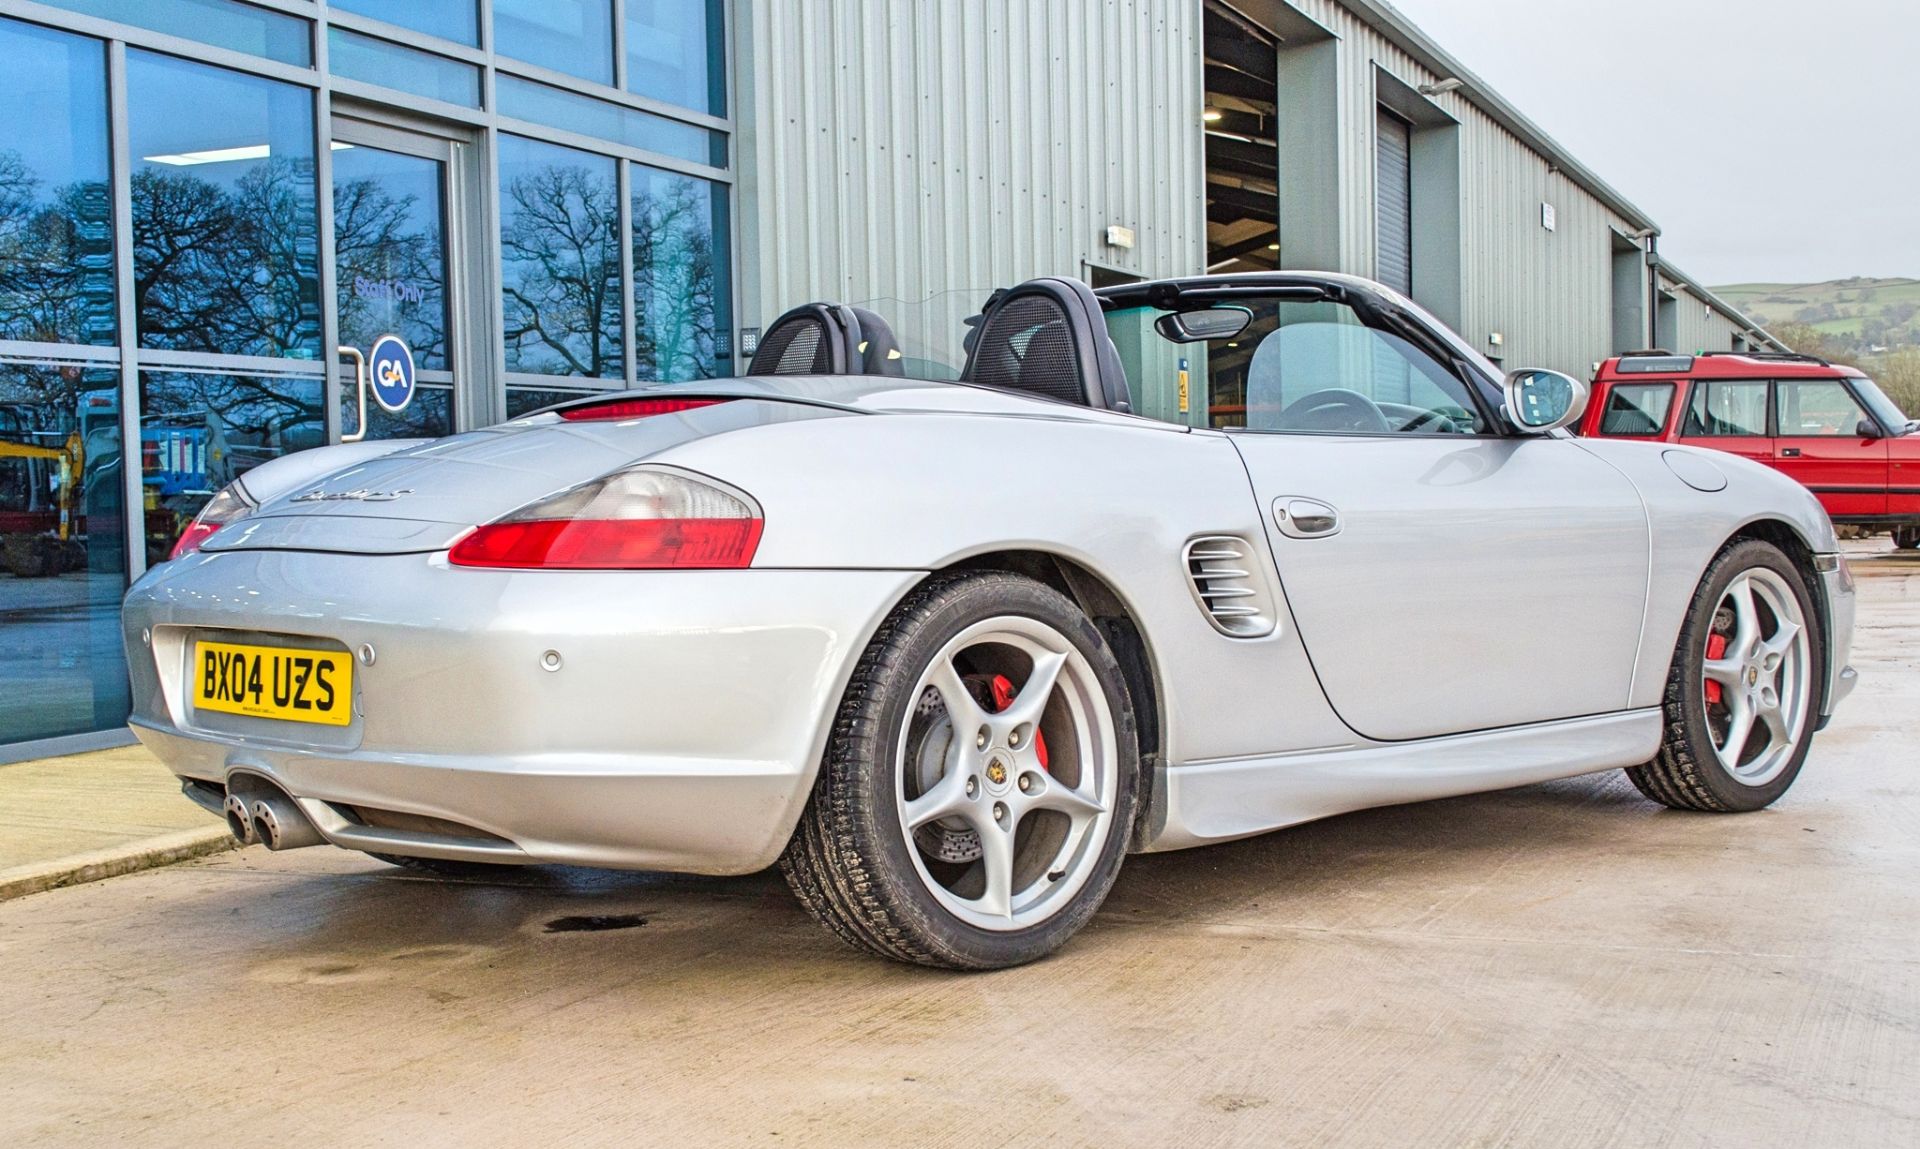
(1906, 538)
(1743, 692)
(979, 786)
(446, 867)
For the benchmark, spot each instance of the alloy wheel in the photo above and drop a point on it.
(1006, 773)
(1757, 677)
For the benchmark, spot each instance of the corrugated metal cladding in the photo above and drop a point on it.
(1698, 327)
(895, 149)
(922, 152)
(1549, 294)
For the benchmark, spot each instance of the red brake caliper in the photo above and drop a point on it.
(1716, 650)
(1002, 698)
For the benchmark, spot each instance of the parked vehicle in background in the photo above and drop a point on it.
(1824, 424)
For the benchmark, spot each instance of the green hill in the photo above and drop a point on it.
(1860, 316)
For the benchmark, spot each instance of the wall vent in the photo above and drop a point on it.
(1224, 572)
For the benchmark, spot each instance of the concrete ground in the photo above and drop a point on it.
(87, 816)
(1563, 965)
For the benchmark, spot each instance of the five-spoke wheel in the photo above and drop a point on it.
(1744, 688)
(1006, 779)
(974, 805)
(1755, 675)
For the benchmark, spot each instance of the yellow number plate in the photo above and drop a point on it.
(274, 682)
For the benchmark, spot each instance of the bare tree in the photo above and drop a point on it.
(674, 309)
(560, 251)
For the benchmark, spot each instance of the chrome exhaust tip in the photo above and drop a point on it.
(282, 825)
(239, 820)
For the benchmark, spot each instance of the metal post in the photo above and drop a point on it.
(359, 389)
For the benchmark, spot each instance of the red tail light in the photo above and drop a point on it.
(632, 409)
(643, 518)
(229, 504)
(611, 544)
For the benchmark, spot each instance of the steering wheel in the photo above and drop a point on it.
(1441, 423)
(1334, 409)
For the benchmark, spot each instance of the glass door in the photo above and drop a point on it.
(396, 265)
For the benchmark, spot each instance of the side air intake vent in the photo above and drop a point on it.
(1229, 587)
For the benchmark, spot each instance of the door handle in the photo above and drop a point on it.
(1789, 452)
(1305, 518)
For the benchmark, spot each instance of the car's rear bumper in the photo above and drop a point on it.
(680, 729)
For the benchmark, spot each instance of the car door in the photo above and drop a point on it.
(1817, 440)
(1729, 415)
(1444, 577)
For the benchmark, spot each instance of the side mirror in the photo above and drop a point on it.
(1203, 324)
(1868, 429)
(1541, 401)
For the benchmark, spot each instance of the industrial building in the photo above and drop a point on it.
(201, 200)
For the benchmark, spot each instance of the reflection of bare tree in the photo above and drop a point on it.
(560, 251)
(376, 238)
(56, 259)
(673, 277)
(261, 415)
(228, 271)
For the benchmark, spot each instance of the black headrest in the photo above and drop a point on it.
(812, 339)
(827, 339)
(879, 350)
(1048, 337)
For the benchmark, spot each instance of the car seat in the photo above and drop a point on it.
(1048, 337)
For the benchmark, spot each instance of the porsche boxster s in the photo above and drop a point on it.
(1166, 564)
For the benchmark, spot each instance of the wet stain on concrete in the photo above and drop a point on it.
(589, 922)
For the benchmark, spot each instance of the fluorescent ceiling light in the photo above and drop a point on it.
(223, 155)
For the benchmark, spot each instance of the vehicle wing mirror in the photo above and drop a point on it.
(1539, 401)
(1203, 324)
(1868, 429)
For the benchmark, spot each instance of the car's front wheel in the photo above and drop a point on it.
(1743, 690)
(977, 793)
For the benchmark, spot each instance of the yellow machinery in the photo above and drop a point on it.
(71, 459)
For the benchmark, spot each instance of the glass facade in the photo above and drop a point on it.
(193, 220)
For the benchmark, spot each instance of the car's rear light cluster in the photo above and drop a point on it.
(642, 518)
(632, 409)
(229, 504)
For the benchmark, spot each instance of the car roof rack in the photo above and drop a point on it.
(1767, 356)
(1654, 351)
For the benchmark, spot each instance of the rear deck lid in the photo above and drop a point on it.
(424, 497)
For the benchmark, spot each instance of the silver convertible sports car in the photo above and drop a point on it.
(1165, 565)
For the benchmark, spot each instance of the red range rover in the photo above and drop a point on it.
(1828, 426)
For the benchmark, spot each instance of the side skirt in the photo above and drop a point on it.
(1218, 801)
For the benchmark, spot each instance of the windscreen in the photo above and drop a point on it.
(1292, 366)
(1883, 408)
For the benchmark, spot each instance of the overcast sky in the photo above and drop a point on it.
(1771, 139)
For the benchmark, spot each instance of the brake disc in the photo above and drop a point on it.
(930, 753)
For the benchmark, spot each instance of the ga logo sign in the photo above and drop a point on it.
(391, 365)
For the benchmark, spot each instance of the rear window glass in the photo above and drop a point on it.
(1637, 409)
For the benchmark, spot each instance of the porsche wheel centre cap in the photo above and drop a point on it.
(997, 773)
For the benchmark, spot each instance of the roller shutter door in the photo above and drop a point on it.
(1393, 247)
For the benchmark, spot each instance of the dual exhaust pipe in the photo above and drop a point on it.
(271, 819)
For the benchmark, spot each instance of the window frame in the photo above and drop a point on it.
(1845, 383)
(1694, 388)
(1666, 420)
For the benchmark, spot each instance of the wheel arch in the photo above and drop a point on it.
(1120, 625)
